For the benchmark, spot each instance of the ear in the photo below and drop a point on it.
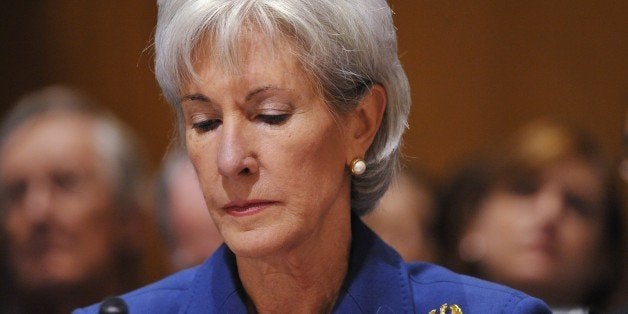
(365, 121)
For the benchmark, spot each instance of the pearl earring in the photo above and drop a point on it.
(358, 166)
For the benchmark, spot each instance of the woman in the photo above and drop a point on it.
(292, 113)
(539, 213)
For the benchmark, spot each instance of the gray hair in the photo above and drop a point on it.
(345, 46)
(116, 145)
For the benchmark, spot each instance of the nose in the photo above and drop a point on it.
(235, 153)
(38, 202)
(549, 203)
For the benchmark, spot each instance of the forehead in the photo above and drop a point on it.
(578, 174)
(254, 53)
(230, 48)
(51, 140)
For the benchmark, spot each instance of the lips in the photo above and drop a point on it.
(246, 208)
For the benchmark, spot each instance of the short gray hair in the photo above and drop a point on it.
(345, 46)
(116, 145)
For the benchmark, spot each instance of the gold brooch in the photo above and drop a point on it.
(453, 309)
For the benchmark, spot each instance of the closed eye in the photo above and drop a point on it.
(14, 193)
(66, 181)
(206, 125)
(273, 119)
(579, 204)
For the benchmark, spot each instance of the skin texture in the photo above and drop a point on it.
(545, 238)
(59, 207)
(263, 140)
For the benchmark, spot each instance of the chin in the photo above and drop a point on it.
(535, 275)
(44, 282)
(258, 243)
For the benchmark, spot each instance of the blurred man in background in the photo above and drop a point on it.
(70, 181)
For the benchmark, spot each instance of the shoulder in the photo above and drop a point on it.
(164, 296)
(434, 286)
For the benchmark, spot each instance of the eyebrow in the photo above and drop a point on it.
(260, 90)
(249, 96)
(195, 96)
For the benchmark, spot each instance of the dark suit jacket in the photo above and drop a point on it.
(378, 281)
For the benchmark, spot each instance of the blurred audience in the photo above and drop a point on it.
(70, 177)
(540, 213)
(404, 217)
(189, 233)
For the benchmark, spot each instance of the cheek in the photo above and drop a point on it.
(312, 167)
(88, 219)
(314, 171)
(501, 224)
(203, 156)
(498, 216)
(16, 226)
(580, 237)
(311, 148)
(85, 210)
(95, 236)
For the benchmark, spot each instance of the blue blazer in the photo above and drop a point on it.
(378, 281)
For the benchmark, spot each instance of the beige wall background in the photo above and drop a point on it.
(478, 69)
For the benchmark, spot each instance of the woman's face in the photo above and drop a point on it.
(59, 203)
(544, 236)
(269, 154)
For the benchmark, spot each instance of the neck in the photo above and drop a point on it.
(306, 279)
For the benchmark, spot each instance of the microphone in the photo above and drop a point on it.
(113, 305)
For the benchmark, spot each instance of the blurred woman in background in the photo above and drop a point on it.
(540, 213)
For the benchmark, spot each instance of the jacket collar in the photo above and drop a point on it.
(377, 281)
